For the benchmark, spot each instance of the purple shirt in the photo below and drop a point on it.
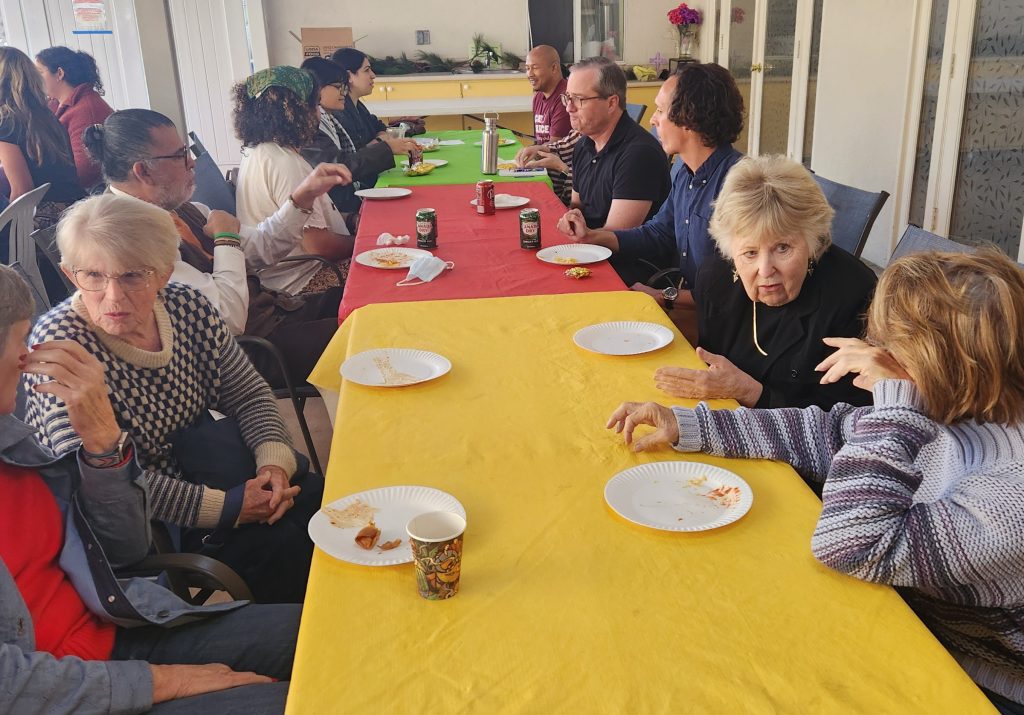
(549, 116)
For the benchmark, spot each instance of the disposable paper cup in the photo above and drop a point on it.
(436, 540)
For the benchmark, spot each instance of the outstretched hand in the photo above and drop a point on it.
(629, 415)
(722, 380)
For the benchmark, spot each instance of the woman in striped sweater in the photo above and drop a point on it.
(925, 489)
(169, 360)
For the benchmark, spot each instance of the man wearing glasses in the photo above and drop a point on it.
(142, 155)
(620, 172)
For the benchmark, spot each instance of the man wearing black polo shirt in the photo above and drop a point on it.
(620, 172)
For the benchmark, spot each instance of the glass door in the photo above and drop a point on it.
(969, 167)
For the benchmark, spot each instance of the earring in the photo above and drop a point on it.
(735, 275)
(811, 265)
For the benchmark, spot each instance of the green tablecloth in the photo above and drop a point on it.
(463, 162)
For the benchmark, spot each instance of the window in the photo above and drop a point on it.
(578, 28)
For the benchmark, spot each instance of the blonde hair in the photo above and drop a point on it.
(771, 197)
(128, 232)
(955, 321)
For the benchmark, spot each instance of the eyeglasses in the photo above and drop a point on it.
(577, 102)
(130, 281)
(340, 86)
(180, 155)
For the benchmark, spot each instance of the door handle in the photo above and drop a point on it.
(756, 68)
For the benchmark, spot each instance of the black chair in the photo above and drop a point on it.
(184, 573)
(636, 111)
(212, 189)
(856, 211)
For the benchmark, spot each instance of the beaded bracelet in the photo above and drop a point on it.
(225, 238)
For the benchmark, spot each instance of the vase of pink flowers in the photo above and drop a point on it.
(685, 19)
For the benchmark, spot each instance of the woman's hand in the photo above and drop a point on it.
(545, 160)
(318, 182)
(631, 414)
(869, 363)
(573, 225)
(528, 153)
(722, 380)
(400, 146)
(259, 492)
(77, 379)
(171, 682)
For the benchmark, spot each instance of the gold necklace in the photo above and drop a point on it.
(756, 344)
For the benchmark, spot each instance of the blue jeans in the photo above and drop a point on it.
(257, 637)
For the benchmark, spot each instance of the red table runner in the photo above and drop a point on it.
(485, 249)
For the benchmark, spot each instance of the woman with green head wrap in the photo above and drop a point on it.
(276, 115)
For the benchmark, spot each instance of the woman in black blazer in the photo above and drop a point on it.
(767, 313)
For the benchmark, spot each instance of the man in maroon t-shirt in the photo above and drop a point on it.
(543, 69)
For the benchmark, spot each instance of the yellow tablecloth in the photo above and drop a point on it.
(564, 606)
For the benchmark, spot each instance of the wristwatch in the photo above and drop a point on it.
(668, 297)
(110, 458)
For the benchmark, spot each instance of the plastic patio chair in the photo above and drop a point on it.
(915, 239)
(856, 211)
(636, 111)
(18, 218)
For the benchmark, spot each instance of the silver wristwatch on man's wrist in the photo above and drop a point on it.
(668, 297)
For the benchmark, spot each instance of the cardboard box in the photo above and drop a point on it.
(322, 41)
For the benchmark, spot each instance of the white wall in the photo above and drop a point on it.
(862, 98)
(390, 26)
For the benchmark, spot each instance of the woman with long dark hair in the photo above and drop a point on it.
(72, 82)
(34, 147)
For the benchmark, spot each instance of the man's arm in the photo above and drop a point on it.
(626, 213)
(225, 288)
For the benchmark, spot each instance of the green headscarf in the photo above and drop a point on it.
(297, 80)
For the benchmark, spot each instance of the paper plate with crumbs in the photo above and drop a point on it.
(572, 254)
(394, 367)
(335, 527)
(390, 257)
(623, 338)
(678, 496)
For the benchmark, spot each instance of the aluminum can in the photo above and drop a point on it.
(415, 157)
(529, 229)
(485, 197)
(426, 228)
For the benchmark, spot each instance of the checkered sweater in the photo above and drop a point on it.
(937, 509)
(155, 394)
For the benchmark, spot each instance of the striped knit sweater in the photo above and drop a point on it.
(155, 394)
(935, 509)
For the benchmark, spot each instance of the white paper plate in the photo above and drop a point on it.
(394, 367)
(435, 162)
(451, 142)
(572, 254)
(501, 142)
(390, 258)
(623, 338)
(397, 505)
(383, 194)
(507, 201)
(678, 496)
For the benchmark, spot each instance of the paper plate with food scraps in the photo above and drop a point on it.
(368, 528)
(502, 141)
(390, 258)
(394, 367)
(679, 496)
(574, 253)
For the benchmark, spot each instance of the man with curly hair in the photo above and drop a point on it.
(698, 115)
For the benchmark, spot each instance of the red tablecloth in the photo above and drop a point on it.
(485, 249)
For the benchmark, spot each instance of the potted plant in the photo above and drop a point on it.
(686, 20)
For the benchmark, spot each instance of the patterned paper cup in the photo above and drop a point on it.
(436, 540)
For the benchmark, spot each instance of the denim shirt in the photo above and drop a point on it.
(680, 229)
(106, 525)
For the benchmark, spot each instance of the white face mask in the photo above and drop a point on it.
(425, 269)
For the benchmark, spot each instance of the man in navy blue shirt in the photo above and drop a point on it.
(698, 115)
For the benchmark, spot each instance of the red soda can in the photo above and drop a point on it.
(485, 197)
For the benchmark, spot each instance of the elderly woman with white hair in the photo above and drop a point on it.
(169, 360)
(764, 313)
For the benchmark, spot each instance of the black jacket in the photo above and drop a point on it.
(832, 303)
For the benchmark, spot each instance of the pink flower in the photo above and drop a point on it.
(684, 15)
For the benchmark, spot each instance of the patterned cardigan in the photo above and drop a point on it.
(936, 509)
(156, 394)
